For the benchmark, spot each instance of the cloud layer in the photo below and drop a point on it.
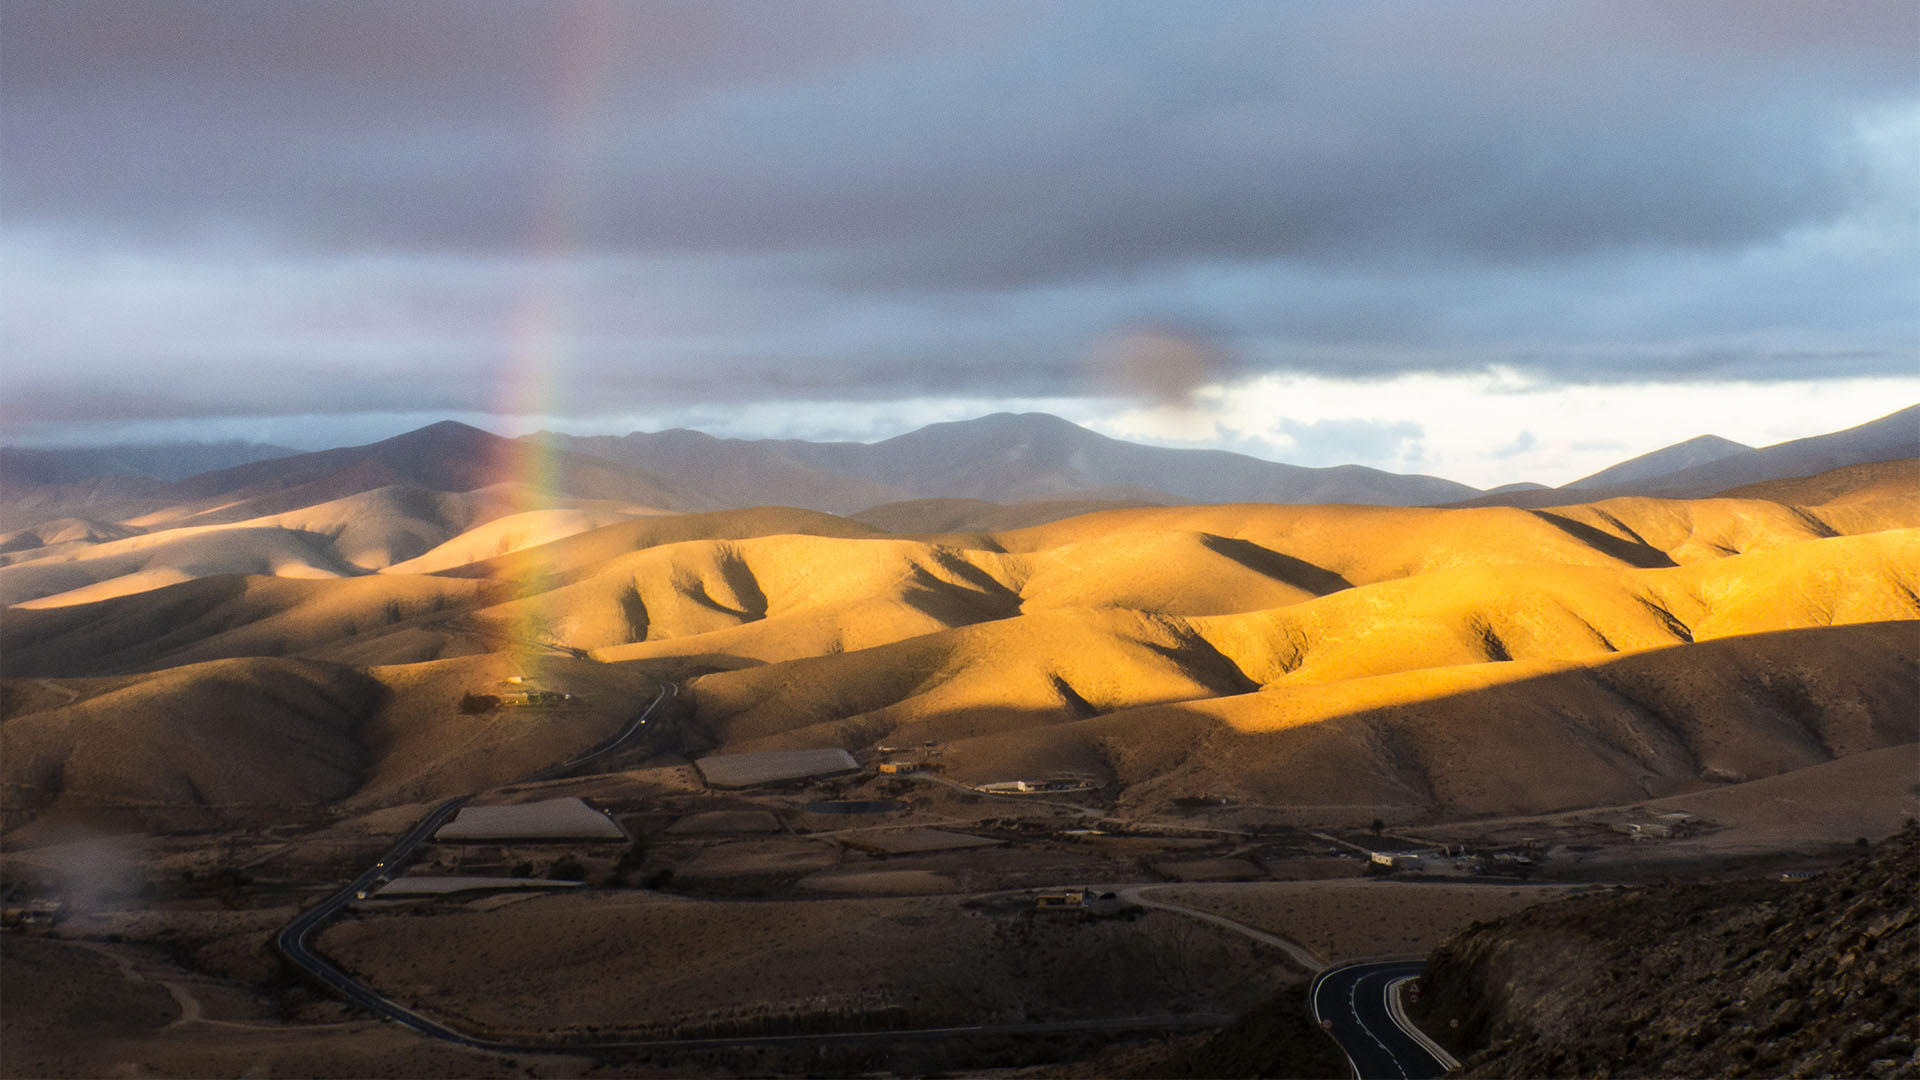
(589, 208)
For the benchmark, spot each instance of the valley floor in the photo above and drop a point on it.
(767, 917)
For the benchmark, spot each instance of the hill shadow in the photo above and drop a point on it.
(1299, 573)
(1642, 555)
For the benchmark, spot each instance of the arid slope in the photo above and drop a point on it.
(1438, 662)
(241, 741)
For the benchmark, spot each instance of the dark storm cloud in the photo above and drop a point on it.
(426, 124)
(860, 200)
(1058, 148)
(187, 391)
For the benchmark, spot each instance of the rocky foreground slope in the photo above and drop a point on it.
(1765, 978)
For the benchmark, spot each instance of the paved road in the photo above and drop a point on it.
(292, 941)
(1356, 999)
(1354, 996)
(634, 727)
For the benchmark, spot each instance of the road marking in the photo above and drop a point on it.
(1381, 974)
(1353, 1007)
(1396, 1010)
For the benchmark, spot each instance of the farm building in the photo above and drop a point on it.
(1660, 826)
(1080, 901)
(564, 819)
(534, 697)
(773, 766)
(1009, 787)
(31, 914)
(1066, 782)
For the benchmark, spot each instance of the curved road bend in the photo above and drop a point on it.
(1354, 1001)
(1378, 1039)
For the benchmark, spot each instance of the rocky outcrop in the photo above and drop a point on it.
(1765, 978)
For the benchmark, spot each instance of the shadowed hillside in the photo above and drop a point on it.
(1474, 739)
(192, 745)
(241, 741)
(1758, 978)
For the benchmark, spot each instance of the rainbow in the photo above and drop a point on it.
(541, 322)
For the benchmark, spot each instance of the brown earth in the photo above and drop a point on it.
(1755, 978)
(1415, 662)
(1351, 920)
(272, 685)
(616, 962)
(232, 741)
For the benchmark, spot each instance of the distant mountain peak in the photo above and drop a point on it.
(1003, 421)
(439, 435)
(1694, 452)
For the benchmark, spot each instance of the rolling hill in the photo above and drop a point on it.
(366, 532)
(235, 742)
(1432, 662)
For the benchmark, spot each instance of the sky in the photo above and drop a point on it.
(1490, 241)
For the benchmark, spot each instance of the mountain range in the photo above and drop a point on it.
(1708, 465)
(154, 461)
(998, 459)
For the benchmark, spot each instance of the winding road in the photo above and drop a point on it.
(1357, 1003)
(1358, 1006)
(292, 941)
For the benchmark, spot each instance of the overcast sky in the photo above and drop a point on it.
(1493, 241)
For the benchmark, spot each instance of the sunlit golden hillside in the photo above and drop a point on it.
(1439, 661)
